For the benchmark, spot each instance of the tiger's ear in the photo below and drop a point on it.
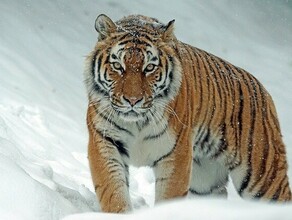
(104, 26)
(168, 34)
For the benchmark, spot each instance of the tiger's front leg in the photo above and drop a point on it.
(173, 172)
(109, 174)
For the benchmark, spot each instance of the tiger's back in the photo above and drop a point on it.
(191, 116)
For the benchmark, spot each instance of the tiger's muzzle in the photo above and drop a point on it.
(131, 108)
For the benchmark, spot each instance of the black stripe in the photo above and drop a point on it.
(113, 162)
(268, 184)
(270, 178)
(218, 68)
(114, 57)
(119, 145)
(94, 63)
(223, 142)
(135, 41)
(163, 157)
(238, 127)
(264, 144)
(276, 195)
(222, 93)
(197, 161)
(236, 114)
(159, 77)
(211, 190)
(167, 74)
(119, 53)
(244, 183)
(191, 57)
(232, 81)
(124, 36)
(170, 152)
(115, 125)
(99, 63)
(229, 82)
(164, 88)
(213, 103)
(216, 79)
(102, 193)
(149, 38)
(140, 32)
(166, 66)
(96, 87)
(205, 70)
(106, 77)
(236, 117)
(170, 77)
(240, 112)
(199, 193)
(247, 178)
(200, 84)
(161, 179)
(199, 135)
(127, 175)
(143, 123)
(205, 139)
(234, 86)
(208, 91)
(151, 137)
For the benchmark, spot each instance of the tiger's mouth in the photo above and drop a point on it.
(129, 114)
(132, 116)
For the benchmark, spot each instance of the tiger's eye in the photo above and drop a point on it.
(117, 66)
(149, 68)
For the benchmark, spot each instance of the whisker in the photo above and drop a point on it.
(170, 110)
(155, 124)
(160, 120)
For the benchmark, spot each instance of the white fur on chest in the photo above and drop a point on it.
(144, 151)
(144, 145)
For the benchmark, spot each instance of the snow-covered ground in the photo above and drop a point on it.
(44, 173)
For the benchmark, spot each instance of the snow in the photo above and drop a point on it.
(199, 209)
(43, 137)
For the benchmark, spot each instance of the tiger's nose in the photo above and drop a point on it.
(133, 100)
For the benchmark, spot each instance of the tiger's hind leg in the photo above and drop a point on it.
(266, 182)
(209, 178)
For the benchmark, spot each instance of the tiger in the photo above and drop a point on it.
(192, 117)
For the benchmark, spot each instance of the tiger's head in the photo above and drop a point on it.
(133, 71)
